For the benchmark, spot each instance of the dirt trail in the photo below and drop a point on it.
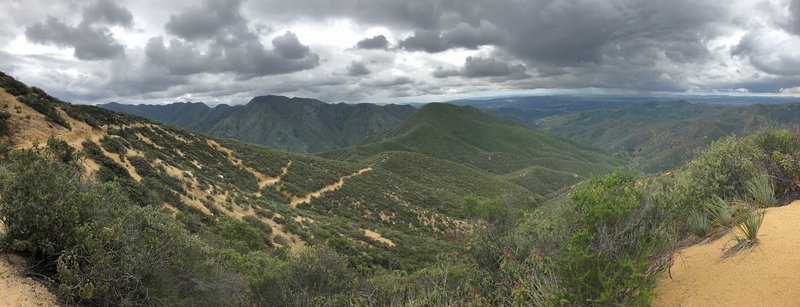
(263, 180)
(764, 276)
(297, 200)
(377, 237)
(18, 290)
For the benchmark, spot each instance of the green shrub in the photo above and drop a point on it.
(46, 107)
(242, 237)
(721, 171)
(319, 273)
(100, 248)
(620, 241)
(62, 151)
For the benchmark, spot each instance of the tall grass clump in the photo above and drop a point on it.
(720, 212)
(698, 223)
(760, 191)
(759, 195)
(750, 224)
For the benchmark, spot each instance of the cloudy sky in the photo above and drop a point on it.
(227, 51)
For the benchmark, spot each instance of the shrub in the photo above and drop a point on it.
(62, 151)
(4, 116)
(721, 171)
(318, 273)
(100, 248)
(620, 240)
(45, 107)
(241, 236)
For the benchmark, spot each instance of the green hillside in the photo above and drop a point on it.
(661, 136)
(299, 200)
(293, 124)
(471, 137)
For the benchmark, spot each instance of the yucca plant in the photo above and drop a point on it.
(720, 211)
(698, 223)
(750, 224)
(760, 191)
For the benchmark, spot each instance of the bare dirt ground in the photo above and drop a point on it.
(767, 275)
(18, 290)
(297, 200)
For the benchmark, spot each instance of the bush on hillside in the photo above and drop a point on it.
(4, 116)
(46, 107)
(100, 248)
(721, 171)
(620, 240)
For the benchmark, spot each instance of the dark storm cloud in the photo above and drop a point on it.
(215, 38)
(475, 67)
(91, 39)
(461, 36)
(375, 42)
(479, 67)
(288, 46)
(793, 23)
(90, 43)
(207, 20)
(356, 69)
(210, 46)
(423, 14)
(402, 80)
(550, 34)
(245, 58)
(107, 12)
(425, 40)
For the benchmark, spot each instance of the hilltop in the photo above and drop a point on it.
(293, 124)
(474, 138)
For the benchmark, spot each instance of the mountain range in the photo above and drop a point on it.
(293, 124)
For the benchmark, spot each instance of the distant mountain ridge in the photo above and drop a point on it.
(293, 124)
(659, 136)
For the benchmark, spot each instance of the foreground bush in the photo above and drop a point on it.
(99, 247)
(620, 242)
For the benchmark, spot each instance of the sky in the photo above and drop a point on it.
(228, 51)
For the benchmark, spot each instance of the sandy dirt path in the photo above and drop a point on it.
(18, 290)
(297, 200)
(767, 275)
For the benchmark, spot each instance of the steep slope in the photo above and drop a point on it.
(659, 136)
(294, 124)
(363, 210)
(469, 136)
